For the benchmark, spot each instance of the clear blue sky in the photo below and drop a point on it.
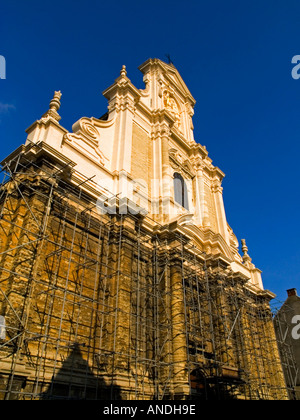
(235, 57)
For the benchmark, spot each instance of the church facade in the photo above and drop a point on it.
(120, 276)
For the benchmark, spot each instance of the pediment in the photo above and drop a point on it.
(178, 162)
(170, 75)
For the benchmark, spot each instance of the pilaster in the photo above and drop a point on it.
(201, 199)
(217, 191)
(162, 176)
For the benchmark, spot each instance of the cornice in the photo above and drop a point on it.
(37, 150)
(41, 148)
(180, 139)
(162, 116)
(206, 237)
(198, 149)
(122, 85)
(20, 150)
(218, 173)
(267, 294)
(46, 122)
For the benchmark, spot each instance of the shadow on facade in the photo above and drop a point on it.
(2, 388)
(76, 381)
(212, 388)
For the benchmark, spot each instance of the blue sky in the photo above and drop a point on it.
(235, 57)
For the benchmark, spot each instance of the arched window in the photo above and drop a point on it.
(180, 191)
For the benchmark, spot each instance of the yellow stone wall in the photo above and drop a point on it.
(140, 155)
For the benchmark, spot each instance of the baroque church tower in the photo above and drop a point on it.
(120, 276)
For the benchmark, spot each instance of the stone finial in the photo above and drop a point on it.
(123, 71)
(246, 257)
(55, 101)
(53, 107)
(244, 246)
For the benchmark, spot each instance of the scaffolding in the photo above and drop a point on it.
(115, 306)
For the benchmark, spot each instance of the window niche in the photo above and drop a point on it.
(180, 191)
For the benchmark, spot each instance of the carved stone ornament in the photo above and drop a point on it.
(180, 164)
(170, 105)
(85, 139)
